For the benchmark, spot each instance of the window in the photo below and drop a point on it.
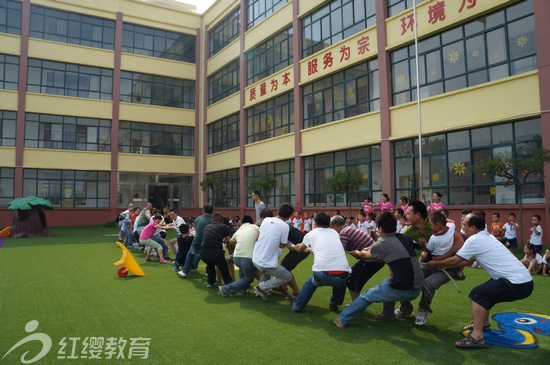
(489, 48)
(156, 139)
(9, 72)
(73, 28)
(10, 17)
(225, 31)
(7, 185)
(273, 118)
(318, 168)
(269, 57)
(227, 195)
(158, 43)
(157, 90)
(68, 188)
(258, 10)
(174, 190)
(223, 134)
(8, 121)
(397, 6)
(68, 79)
(224, 82)
(283, 172)
(67, 133)
(447, 160)
(334, 22)
(347, 93)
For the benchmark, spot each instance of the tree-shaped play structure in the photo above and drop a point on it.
(29, 219)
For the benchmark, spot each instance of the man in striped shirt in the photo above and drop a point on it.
(356, 239)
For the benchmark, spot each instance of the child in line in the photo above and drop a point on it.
(403, 223)
(546, 263)
(532, 260)
(350, 222)
(510, 229)
(371, 225)
(536, 233)
(361, 223)
(398, 212)
(497, 228)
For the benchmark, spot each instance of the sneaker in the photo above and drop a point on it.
(332, 307)
(210, 286)
(222, 291)
(421, 318)
(260, 293)
(181, 274)
(400, 314)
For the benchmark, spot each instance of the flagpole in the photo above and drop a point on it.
(418, 111)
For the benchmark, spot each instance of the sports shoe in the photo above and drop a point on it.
(260, 293)
(222, 291)
(181, 274)
(421, 318)
(210, 286)
(400, 314)
(332, 307)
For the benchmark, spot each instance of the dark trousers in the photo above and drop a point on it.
(213, 258)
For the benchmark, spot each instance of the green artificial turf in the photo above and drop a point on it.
(68, 283)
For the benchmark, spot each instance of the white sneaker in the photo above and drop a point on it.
(421, 318)
(400, 314)
(181, 274)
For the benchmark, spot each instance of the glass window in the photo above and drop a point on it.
(68, 188)
(9, 72)
(8, 120)
(494, 47)
(335, 21)
(447, 161)
(283, 172)
(10, 17)
(273, 118)
(150, 89)
(227, 195)
(224, 82)
(58, 78)
(156, 139)
(397, 6)
(319, 167)
(225, 31)
(7, 185)
(159, 43)
(67, 133)
(258, 10)
(223, 134)
(342, 95)
(269, 57)
(62, 26)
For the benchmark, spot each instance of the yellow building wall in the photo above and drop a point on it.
(67, 105)
(8, 156)
(8, 100)
(343, 134)
(229, 54)
(157, 114)
(225, 160)
(223, 108)
(41, 158)
(396, 35)
(156, 164)
(361, 47)
(158, 66)
(279, 20)
(176, 18)
(10, 44)
(274, 149)
(71, 53)
(484, 104)
(100, 8)
(218, 11)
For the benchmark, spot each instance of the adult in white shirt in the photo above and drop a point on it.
(510, 280)
(297, 221)
(273, 236)
(177, 221)
(330, 265)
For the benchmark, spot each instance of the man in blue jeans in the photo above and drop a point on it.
(406, 278)
(330, 265)
(193, 257)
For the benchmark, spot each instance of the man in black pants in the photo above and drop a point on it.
(212, 252)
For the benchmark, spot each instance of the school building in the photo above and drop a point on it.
(110, 102)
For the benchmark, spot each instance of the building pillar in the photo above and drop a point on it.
(298, 111)
(113, 189)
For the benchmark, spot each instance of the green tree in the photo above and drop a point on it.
(516, 170)
(29, 219)
(214, 187)
(345, 182)
(265, 184)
